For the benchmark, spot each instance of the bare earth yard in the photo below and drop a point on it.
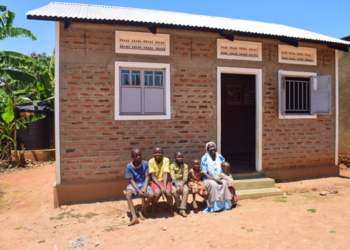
(29, 221)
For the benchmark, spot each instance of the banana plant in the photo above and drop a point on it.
(10, 125)
(23, 71)
(6, 29)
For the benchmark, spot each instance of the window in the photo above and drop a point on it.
(304, 95)
(142, 91)
(297, 95)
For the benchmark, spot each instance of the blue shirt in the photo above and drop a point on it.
(138, 174)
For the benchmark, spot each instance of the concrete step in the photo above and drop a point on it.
(251, 175)
(254, 183)
(257, 193)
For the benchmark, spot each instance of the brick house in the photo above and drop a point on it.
(344, 121)
(267, 94)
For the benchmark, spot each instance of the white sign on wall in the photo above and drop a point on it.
(239, 50)
(297, 55)
(142, 43)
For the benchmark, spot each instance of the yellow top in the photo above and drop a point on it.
(159, 169)
(178, 173)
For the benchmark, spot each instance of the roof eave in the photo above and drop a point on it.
(339, 46)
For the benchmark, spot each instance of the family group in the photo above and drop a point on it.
(210, 178)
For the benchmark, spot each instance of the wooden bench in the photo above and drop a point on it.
(137, 196)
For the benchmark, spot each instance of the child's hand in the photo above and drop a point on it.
(219, 182)
(141, 193)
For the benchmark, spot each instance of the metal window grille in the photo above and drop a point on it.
(297, 95)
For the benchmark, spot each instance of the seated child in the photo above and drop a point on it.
(226, 175)
(195, 182)
(179, 175)
(137, 172)
(159, 169)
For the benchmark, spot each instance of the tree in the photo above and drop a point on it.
(23, 71)
(6, 29)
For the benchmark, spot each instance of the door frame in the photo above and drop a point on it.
(258, 104)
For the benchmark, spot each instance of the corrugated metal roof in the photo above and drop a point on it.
(98, 12)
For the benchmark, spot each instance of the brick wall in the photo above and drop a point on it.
(95, 147)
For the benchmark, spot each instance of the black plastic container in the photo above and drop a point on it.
(40, 134)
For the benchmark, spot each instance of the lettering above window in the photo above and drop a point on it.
(142, 43)
(294, 55)
(238, 50)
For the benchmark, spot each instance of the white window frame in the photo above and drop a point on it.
(285, 73)
(139, 65)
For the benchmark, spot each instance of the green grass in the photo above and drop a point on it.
(280, 200)
(90, 215)
(123, 221)
(312, 210)
(332, 232)
(18, 228)
(278, 181)
(250, 230)
(309, 196)
(67, 215)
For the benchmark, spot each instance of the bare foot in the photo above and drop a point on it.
(208, 204)
(140, 213)
(134, 222)
(194, 204)
(183, 213)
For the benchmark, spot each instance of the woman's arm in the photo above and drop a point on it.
(212, 178)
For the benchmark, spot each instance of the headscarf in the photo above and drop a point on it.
(211, 167)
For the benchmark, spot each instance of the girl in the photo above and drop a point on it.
(195, 182)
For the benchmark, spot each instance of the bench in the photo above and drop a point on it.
(137, 196)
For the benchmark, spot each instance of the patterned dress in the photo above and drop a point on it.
(195, 182)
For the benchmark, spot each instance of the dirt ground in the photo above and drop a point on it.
(29, 221)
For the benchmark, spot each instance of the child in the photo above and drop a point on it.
(195, 182)
(179, 175)
(159, 170)
(137, 172)
(226, 175)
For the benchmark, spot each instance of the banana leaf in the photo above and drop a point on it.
(17, 75)
(15, 32)
(21, 122)
(8, 116)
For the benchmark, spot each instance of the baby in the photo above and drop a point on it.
(195, 182)
(226, 176)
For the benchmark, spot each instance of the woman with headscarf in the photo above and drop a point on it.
(218, 193)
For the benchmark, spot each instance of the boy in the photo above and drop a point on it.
(137, 172)
(159, 170)
(179, 175)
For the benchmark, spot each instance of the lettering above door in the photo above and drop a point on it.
(294, 55)
(141, 43)
(239, 50)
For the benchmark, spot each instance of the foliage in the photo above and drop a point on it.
(10, 125)
(6, 22)
(24, 71)
(312, 210)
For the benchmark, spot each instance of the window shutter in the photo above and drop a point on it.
(154, 100)
(321, 95)
(283, 96)
(131, 100)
